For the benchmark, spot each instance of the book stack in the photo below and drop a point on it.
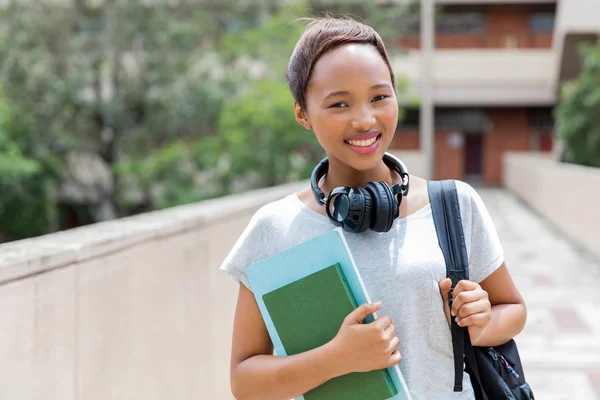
(304, 294)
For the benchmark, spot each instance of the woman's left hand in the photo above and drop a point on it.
(471, 306)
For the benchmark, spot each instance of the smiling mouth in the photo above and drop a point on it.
(363, 143)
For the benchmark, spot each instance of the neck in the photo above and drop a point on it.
(340, 174)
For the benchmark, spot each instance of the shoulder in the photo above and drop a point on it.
(269, 226)
(468, 197)
(258, 238)
(465, 191)
(274, 213)
(273, 227)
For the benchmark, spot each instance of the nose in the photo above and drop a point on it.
(363, 121)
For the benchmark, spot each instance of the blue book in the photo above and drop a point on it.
(299, 275)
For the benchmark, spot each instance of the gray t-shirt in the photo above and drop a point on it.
(401, 268)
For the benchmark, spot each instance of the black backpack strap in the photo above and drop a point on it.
(448, 226)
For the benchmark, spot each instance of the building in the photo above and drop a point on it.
(487, 75)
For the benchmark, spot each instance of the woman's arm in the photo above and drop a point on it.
(508, 314)
(493, 311)
(257, 374)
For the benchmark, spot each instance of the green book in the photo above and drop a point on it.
(308, 313)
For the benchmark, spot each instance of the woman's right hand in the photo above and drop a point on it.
(359, 347)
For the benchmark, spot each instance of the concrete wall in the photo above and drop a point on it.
(414, 160)
(566, 194)
(128, 309)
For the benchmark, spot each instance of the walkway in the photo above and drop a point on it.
(560, 346)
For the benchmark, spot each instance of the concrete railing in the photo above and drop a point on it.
(483, 76)
(567, 195)
(129, 309)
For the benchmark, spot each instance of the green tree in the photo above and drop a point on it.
(259, 134)
(26, 184)
(578, 114)
(390, 19)
(119, 81)
(263, 139)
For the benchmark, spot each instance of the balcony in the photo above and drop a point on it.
(484, 77)
(576, 22)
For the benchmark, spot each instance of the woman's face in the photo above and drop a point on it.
(351, 105)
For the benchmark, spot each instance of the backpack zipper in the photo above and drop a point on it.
(497, 357)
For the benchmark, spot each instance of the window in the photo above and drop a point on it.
(510, 41)
(410, 119)
(461, 119)
(540, 119)
(542, 22)
(461, 22)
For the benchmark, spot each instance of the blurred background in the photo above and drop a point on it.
(137, 138)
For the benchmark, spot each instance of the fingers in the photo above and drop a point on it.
(467, 296)
(475, 307)
(445, 286)
(383, 322)
(390, 331)
(464, 299)
(479, 319)
(394, 359)
(361, 312)
(393, 346)
(464, 286)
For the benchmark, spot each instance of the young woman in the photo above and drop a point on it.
(344, 92)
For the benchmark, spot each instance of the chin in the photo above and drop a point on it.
(362, 162)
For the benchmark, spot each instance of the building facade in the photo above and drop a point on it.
(490, 74)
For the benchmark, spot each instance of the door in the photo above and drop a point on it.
(473, 159)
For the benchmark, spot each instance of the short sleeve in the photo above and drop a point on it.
(235, 273)
(254, 244)
(484, 249)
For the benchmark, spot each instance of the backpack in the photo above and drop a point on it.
(496, 372)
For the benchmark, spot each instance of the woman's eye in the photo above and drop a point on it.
(383, 96)
(338, 105)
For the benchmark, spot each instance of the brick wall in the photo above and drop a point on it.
(448, 161)
(406, 139)
(509, 132)
(506, 26)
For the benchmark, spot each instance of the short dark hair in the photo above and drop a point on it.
(320, 36)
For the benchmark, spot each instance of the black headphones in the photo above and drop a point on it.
(356, 209)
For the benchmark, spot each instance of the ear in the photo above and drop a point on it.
(301, 116)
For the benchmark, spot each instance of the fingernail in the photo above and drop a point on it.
(457, 320)
(377, 303)
(453, 313)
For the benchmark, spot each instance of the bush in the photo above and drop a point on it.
(578, 114)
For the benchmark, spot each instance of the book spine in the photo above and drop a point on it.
(346, 286)
(389, 381)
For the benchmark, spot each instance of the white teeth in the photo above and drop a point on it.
(362, 143)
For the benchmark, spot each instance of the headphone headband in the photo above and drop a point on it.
(390, 160)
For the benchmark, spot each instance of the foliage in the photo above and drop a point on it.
(578, 114)
(390, 19)
(261, 135)
(179, 101)
(116, 81)
(26, 184)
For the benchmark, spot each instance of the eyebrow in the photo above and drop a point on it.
(345, 92)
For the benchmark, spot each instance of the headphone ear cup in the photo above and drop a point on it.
(361, 211)
(367, 210)
(384, 206)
